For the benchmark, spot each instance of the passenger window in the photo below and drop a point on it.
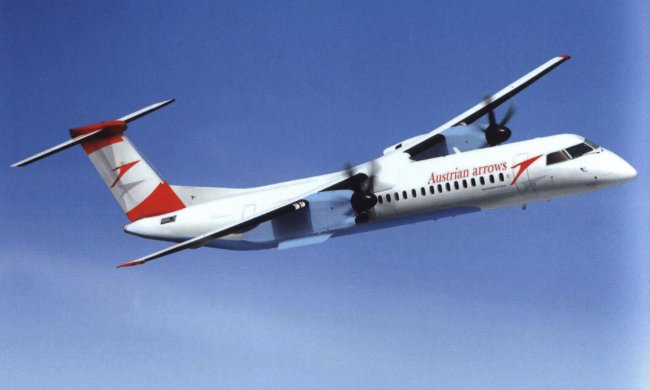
(414, 193)
(439, 188)
(456, 186)
(492, 179)
(473, 181)
(388, 198)
(380, 199)
(404, 196)
(431, 190)
(423, 191)
(396, 196)
(448, 186)
(464, 183)
(556, 157)
(482, 180)
(501, 177)
(578, 150)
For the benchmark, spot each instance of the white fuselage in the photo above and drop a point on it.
(408, 191)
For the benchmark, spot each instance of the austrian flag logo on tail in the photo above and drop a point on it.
(523, 166)
(121, 170)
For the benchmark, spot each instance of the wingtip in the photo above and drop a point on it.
(130, 264)
(565, 56)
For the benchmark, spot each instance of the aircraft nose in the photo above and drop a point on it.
(624, 171)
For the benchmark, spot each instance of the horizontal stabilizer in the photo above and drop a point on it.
(81, 134)
(55, 149)
(146, 110)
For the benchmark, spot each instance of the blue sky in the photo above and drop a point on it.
(553, 297)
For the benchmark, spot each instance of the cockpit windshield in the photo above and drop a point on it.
(578, 150)
(570, 153)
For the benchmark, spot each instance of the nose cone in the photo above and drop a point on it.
(625, 171)
(613, 170)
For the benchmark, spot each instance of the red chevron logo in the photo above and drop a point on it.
(523, 166)
(121, 170)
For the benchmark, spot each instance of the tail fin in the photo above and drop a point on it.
(136, 186)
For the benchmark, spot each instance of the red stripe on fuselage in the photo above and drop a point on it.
(161, 201)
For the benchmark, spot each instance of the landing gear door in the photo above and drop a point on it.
(520, 176)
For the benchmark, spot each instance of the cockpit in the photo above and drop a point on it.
(572, 152)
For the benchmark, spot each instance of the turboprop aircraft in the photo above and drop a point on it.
(458, 168)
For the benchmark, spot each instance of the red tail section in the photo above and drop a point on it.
(136, 186)
(134, 183)
(162, 200)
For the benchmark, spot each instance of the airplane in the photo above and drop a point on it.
(459, 167)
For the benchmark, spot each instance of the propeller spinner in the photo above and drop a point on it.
(497, 133)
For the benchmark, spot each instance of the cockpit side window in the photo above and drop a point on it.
(556, 157)
(593, 145)
(579, 149)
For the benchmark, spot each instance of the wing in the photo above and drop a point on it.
(289, 206)
(417, 144)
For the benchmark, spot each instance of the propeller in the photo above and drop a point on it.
(363, 197)
(496, 133)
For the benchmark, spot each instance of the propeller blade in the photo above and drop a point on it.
(492, 120)
(349, 171)
(496, 133)
(507, 116)
(370, 186)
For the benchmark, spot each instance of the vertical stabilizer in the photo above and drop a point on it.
(136, 186)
